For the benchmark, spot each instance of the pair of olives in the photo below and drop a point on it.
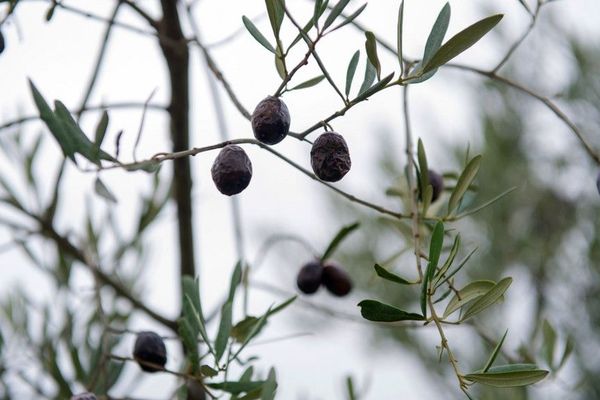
(329, 274)
(232, 169)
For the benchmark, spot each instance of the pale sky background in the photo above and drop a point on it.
(59, 56)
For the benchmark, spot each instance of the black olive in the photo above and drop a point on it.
(231, 170)
(1, 42)
(329, 157)
(437, 183)
(150, 352)
(309, 277)
(271, 120)
(336, 280)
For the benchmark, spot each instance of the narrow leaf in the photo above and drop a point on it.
(443, 280)
(423, 167)
(461, 42)
(351, 17)
(309, 83)
(450, 259)
(236, 387)
(494, 354)
(351, 70)
(436, 36)
(549, 343)
(488, 299)
(399, 37)
(236, 278)
(371, 47)
(463, 183)
(335, 12)
(375, 88)
(370, 74)
(509, 375)
(270, 386)
(256, 34)
(102, 191)
(385, 274)
(276, 13)
(338, 238)
(224, 331)
(101, 129)
(374, 310)
(207, 371)
(467, 294)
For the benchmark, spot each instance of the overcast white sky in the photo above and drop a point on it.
(59, 57)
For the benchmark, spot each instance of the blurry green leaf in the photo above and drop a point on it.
(509, 375)
(470, 292)
(275, 10)
(399, 31)
(494, 354)
(101, 129)
(147, 166)
(335, 12)
(461, 42)
(236, 278)
(253, 332)
(488, 299)
(242, 330)
(569, 344)
(256, 34)
(318, 11)
(436, 36)
(423, 167)
(54, 125)
(82, 144)
(50, 12)
(224, 331)
(350, 18)
(435, 247)
(463, 183)
(309, 83)
(370, 74)
(385, 274)
(375, 88)
(374, 310)
(351, 70)
(189, 337)
(338, 238)
(270, 386)
(102, 191)
(350, 388)
(549, 343)
(371, 47)
(247, 375)
(207, 371)
(236, 387)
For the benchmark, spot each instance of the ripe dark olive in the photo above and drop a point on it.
(336, 280)
(84, 396)
(1, 43)
(329, 157)
(231, 170)
(309, 277)
(437, 183)
(271, 120)
(150, 352)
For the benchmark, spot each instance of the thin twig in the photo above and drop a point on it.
(99, 60)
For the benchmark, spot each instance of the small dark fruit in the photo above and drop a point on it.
(84, 396)
(150, 352)
(1, 42)
(195, 391)
(231, 170)
(271, 120)
(309, 277)
(336, 280)
(329, 157)
(437, 183)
